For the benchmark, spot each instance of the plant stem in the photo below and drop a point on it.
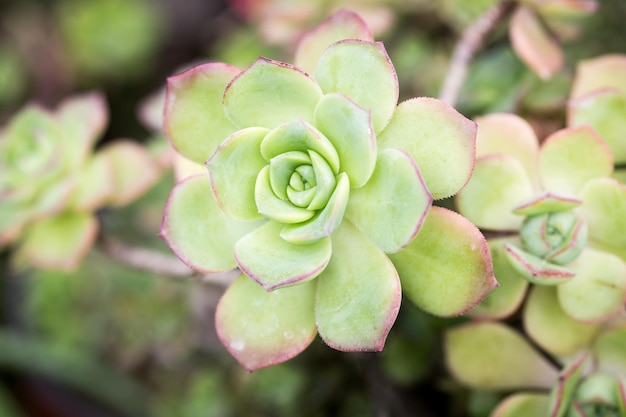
(471, 41)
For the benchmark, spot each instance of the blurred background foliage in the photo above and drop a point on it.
(110, 340)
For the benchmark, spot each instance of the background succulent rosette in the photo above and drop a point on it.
(318, 178)
(52, 181)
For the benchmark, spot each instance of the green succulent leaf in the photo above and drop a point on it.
(446, 270)
(498, 185)
(262, 328)
(60, 242)
(95, 184)
(372, 84)
(573, 156)
(349, 127)
(604, 110)
(535, 269)
(392, 206)
(358, 294)
(441, 140)
(523, 405)
(234, 168)
(269, 93)
(606, 71)
(609, 348)
(273, 207)
(340, 25)
(193, 117)
(598, 291)
(564, 390)
(547, 202)
(490, 355)
(553, 330)
(197, 230)
(274, 262)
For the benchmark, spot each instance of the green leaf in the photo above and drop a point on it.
(273, 262)
(573, 156)
(441, 140)
(274, 208)
(606, 71)
(609, 348)
(547, 202)
(234, 168)
(553, 330)
(262, 328)
(95, 184)
(269, 93)
(492, 356)
(194, 120)
(60, 242)
(341, 25)
(598, 291)
(498, 185)
(446, 270)
(349, 127)
(523, 405)
(372, 84)
(197, 230)
(358, 295)
(537, 270)
(392, 206)
(564, 390)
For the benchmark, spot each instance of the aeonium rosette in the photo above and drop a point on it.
(321, 181)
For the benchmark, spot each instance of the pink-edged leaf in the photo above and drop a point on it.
(194, 120)
(273, 262)
(523, 404)
(447, 269)
(95, 184)
(343, 24)
(547, 202)
(60, 242)
(185, 168)
(358, 294)
(533, 44)
(498, 185)
(197, 230)
(606, 71)
(564, 390)
(536, 270)
(547, 324)
(490, 355)
(269, 93)
(372, 84)
(608, 348)
(570, 157)
(440, 139)
(262, 328)
(392, 206)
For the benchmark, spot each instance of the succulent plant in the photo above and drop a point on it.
(567, 210)
(51, 181)
(320, 190)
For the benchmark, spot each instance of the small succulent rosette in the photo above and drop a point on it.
(491, 356)
(563, 214)
(598, 98)
(319, 189)
(51, 181)
(538, 27)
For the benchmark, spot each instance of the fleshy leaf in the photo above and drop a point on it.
(349, 128)
(274, 208)
(262, 328)
(193, 117)
(604, 110)
(563, 391)
(392, 206)
(325, 221)
(197, 230)
(533, 44)
(269, 93)
(609, 349)
(447, 269)
(341, 25)
(60, 242)
(185, 168)
(358, 294)
(509, 134)
(95, 184)
(548, 202)
(573, 156)
(606, 71)
(498, 185)
(535, 269)
(372, 84)
(598, 291)
(441, 140)
(523, 405)
(234, 168)
(273, 262)
(490, 355)
(604, 208)
(506, 299)
(134, 171)
(553, 330)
